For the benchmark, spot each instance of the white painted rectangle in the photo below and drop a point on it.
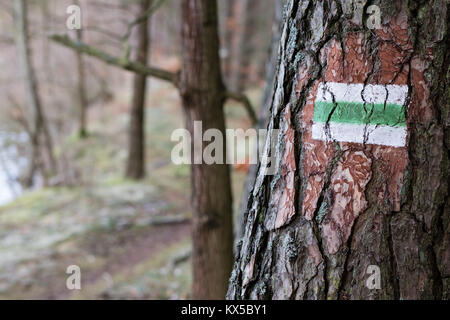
(371, 93)
(372, 134)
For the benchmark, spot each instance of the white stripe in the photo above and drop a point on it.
(380, 135)
(355, 92)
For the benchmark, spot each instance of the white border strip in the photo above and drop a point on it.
(380, 135)
(354, 93)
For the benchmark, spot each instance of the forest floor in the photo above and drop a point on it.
(130, 239)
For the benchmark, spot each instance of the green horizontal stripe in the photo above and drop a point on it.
(357, 113)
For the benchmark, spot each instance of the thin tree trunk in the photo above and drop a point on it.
(81, 89)
(228, 30)
(136, 142)
(202, 93)
(81, 92)
(37, 121)
(242, 47)
(357, 210)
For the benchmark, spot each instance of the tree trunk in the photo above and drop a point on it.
(227, 31)
(242, 46)
(37, 122)
(202, 93)
(266, 102)
(136, 142)
(81, 90)
(359, 205)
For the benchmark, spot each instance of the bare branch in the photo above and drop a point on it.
(242, 98)
(142, 18)
(117, 62)
(138, 20)
(145, 70)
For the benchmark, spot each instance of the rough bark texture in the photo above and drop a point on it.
(334, 208)
(264, 110)
(203, 95)
(136, 134)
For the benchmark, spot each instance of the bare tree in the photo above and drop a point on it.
(38, 127)
(81, 90)
(203, 95)
(136, 140)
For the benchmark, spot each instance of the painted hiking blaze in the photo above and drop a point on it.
(371, 114)
(349, 127)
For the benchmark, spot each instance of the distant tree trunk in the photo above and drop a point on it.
(242, 46)
(271, 68)
(81, 90)
(37, 121)
(202, 93)
(359, 206)
(228, 30)
(136, 141)
(46, 29)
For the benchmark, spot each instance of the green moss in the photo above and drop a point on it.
(422, 12)
(261, 215)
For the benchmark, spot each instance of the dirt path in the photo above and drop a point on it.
(121, 251)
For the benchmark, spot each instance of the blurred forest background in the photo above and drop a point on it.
(72, 194)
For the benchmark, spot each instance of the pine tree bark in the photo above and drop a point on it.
(335, 209)
(136, 140)
(203, 93)
(264, 111)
